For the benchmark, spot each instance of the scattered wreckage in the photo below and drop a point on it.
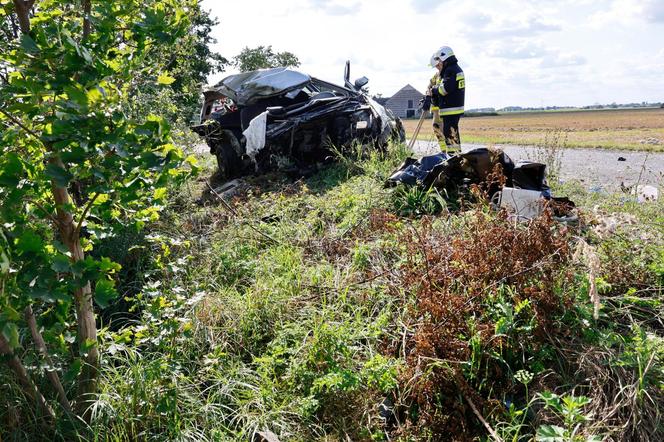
(283, 119)
(520, 187)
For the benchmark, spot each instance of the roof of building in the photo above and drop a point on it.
(407, 91)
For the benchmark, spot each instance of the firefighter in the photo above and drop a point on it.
(437, 131)
(447, 94)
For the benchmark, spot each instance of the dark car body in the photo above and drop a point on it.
(280, 118)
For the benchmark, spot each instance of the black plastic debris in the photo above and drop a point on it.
(520, 188)
(442, 170)
(531, 176)
(413, 172)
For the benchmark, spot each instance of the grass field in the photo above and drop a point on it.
(634, 129)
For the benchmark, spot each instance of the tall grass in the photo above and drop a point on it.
(550, 152)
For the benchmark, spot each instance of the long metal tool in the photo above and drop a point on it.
(417, 130)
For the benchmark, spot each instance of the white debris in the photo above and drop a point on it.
(606, 224)
(646, 193)
(522, 204)
(255, 135)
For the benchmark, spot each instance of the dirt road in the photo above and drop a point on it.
(595, 168)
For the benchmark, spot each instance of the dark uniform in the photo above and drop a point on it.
(449, 97)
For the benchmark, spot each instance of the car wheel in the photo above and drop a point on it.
(226, 149)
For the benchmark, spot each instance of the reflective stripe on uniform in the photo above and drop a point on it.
(454, 148)
(441, 89)
(461, 80)
(451, 111)
(434, 108)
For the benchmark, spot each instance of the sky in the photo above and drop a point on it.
(514, 53)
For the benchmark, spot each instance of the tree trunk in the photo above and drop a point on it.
(29, 387)
(87, 328)
(50, 372)
(87, 27)
(23, 12)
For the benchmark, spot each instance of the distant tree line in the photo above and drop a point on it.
(613, 105)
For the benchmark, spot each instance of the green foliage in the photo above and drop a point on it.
(513, 426)
(263, 57)
(643, 353)
(414, 201)
(185, 64)
(272, 338)
(570, 410)
(76, 165)
(657, 267)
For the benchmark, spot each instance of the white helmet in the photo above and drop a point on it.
(442, 54)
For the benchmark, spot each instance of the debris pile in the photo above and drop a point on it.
(520, 188)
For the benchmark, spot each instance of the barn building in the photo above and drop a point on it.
(405, 103)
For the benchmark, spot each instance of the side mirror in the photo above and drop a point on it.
(347, 82)
(361, 82)
(276, 111)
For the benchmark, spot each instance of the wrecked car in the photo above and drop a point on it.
(280, 118)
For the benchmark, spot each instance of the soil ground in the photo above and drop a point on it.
(622, 129)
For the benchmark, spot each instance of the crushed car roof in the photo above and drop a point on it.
(248, 87)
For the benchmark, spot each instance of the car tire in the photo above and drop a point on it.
(226, 150)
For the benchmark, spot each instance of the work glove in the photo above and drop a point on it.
(425, 103)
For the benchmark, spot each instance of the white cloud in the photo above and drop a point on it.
(427, 6)
(336, 7)
(561, 59)
(654, 11)
(629, 12)
(476, 19)
(485, 27)
(516, 49)
(533, 49)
